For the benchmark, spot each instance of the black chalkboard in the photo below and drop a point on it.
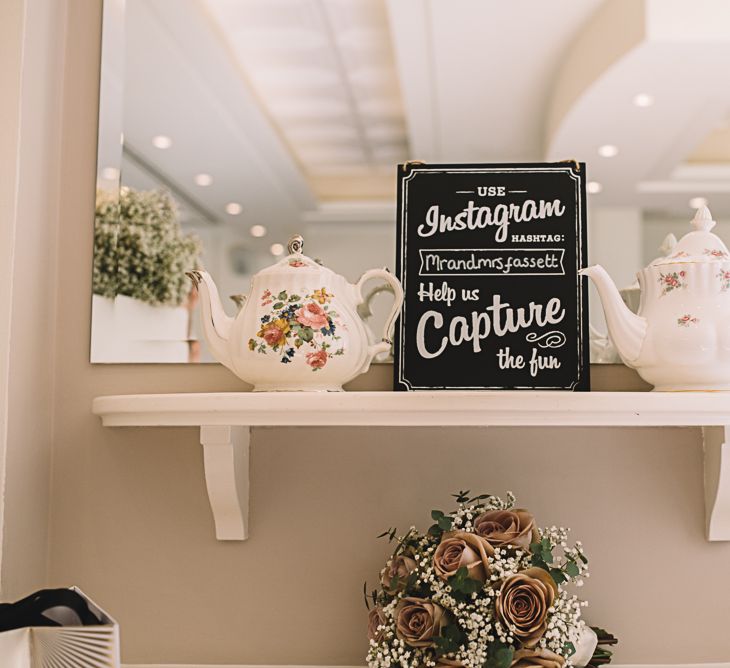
(488, 256)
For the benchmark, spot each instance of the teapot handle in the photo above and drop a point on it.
(384, 344)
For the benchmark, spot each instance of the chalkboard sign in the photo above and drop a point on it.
(488, 256)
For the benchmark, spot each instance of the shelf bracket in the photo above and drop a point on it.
(226, 461)
(716, 447)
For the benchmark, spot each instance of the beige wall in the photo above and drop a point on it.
(130, 521)
(31, 61)
(11, 49)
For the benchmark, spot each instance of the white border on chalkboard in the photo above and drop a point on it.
(414, 170)
(504, 250)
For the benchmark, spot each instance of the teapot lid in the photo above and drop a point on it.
(700, 245)
(295, 260)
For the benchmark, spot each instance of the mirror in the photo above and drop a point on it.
(227, 126)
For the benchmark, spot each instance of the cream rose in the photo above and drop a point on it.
(376, 619)
(523, 603)
(393, 577)
(461, 548)
(584, 648)
(507, 527)
(418, 621)
(537, 658)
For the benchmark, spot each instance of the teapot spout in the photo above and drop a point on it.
(625, 327)
(216, 324)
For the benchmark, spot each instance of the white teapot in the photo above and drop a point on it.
(298, 328)
(680, 337)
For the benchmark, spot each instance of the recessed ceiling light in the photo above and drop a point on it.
(643, 100)
(258, 231)
(593, 187)
(608, 151)
(161, 141)
(110, 173)
(203, 179)
(276, 249)
(233, 208)
(697, 202)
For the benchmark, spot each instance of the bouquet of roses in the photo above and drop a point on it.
(483, 587)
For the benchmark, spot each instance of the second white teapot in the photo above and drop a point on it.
(680, 337)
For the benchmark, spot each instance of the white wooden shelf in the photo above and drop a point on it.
(225, 420)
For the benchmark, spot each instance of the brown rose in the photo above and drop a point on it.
(460, 548)
(418, 621)
(537, 658)
(376, 619)
(393, 577)
(523, 603)
(507, 527)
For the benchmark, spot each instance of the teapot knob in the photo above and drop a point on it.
(703, 220)
(296, 244)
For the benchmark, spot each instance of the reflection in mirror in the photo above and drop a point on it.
(226, 127)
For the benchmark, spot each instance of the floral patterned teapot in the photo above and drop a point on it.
(298, 328)
(680, 337)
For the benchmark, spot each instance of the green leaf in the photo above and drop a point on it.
(471, 586)
(537, 561)
(462, 496)
(443, 646)
(462, 584)
(571, 568)
(557, 575)
(500, 656)
(444, 521)
(278, 305)
(450, 640)
(294, 298)
(306, 334)
(568, 649)
(281, 295)
(434, 530)
(390, 533)
(480, 497)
